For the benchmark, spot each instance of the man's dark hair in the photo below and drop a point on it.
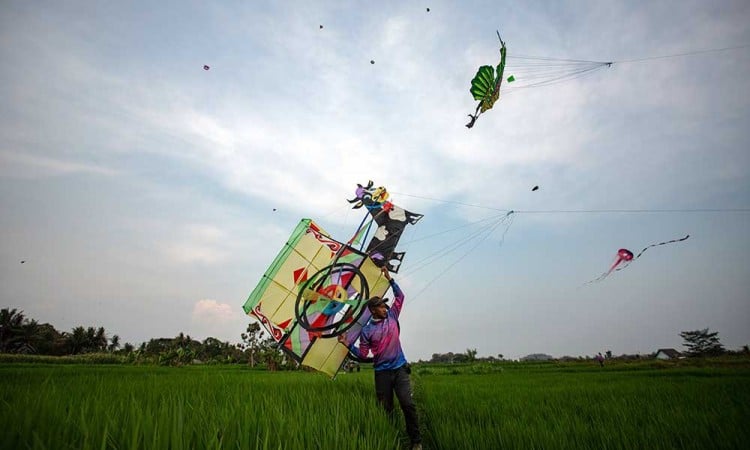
(375, 301)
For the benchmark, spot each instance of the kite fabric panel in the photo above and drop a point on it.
(391, 221)
(391, 224)
(326, 354)
(333, 281)
(485, 86)
(308, 250)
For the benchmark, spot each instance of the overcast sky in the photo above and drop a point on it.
(148, 195)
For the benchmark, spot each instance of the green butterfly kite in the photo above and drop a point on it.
(485, 86)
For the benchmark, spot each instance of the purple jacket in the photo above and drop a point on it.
(382, 337)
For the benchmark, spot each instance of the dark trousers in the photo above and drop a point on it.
(389, 381)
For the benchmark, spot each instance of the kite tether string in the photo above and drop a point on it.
(486, 231)
(545, 71)
(583, 211)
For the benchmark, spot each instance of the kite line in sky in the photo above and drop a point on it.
(535, 71)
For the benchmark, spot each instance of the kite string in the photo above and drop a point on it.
(582, 211)
(508, 217)
(452, 229)
(621, 61)
(551, 71)
(450, 266)
(695, 52)
(448, 248)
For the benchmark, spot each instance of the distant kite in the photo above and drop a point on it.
(527, 72)
(626, 256)
(535, 188)
(205, 67)
(428, 9)
(372, 61)
(321, 27)
(485, 87)
(622, 255)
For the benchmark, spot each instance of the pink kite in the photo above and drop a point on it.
(626, 256)
(622, 255)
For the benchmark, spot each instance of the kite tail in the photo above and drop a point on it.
(597, 279)
(604, 275)
(615, 267)
(660, 243)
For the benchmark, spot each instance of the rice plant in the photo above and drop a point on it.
(512, 407)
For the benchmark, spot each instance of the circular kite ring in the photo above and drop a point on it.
(344, 289)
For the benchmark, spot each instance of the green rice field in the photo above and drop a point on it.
(504, 406)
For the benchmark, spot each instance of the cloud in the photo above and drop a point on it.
(219, 320)
(20, 165)
(191, 162)
(213, 312)
(197, 244)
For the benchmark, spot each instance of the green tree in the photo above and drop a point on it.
(99, 343)
(50, 341)
(471, 354)
(114, 343)
(212, 349)
(251, 340)
(274, 356)
(29, 338)
(11, 328)
(702, 343)
(77, 340)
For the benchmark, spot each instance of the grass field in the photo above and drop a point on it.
(468, 407)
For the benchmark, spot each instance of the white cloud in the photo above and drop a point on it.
(292, 117)
(213, 312)
(197, 244)
(30, 166)
(219, 320)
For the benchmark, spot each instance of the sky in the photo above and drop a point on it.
(148, 195)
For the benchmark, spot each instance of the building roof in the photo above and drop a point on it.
(672, 353)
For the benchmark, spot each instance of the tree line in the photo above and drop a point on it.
(26, 336)
(697, 343)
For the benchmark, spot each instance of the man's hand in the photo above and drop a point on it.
(386, 274)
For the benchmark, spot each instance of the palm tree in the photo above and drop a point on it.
(50, 341)
(29, 338)
(78, 340)
(90, 344)
(11, 323)
(100, 340)
(114, 343)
